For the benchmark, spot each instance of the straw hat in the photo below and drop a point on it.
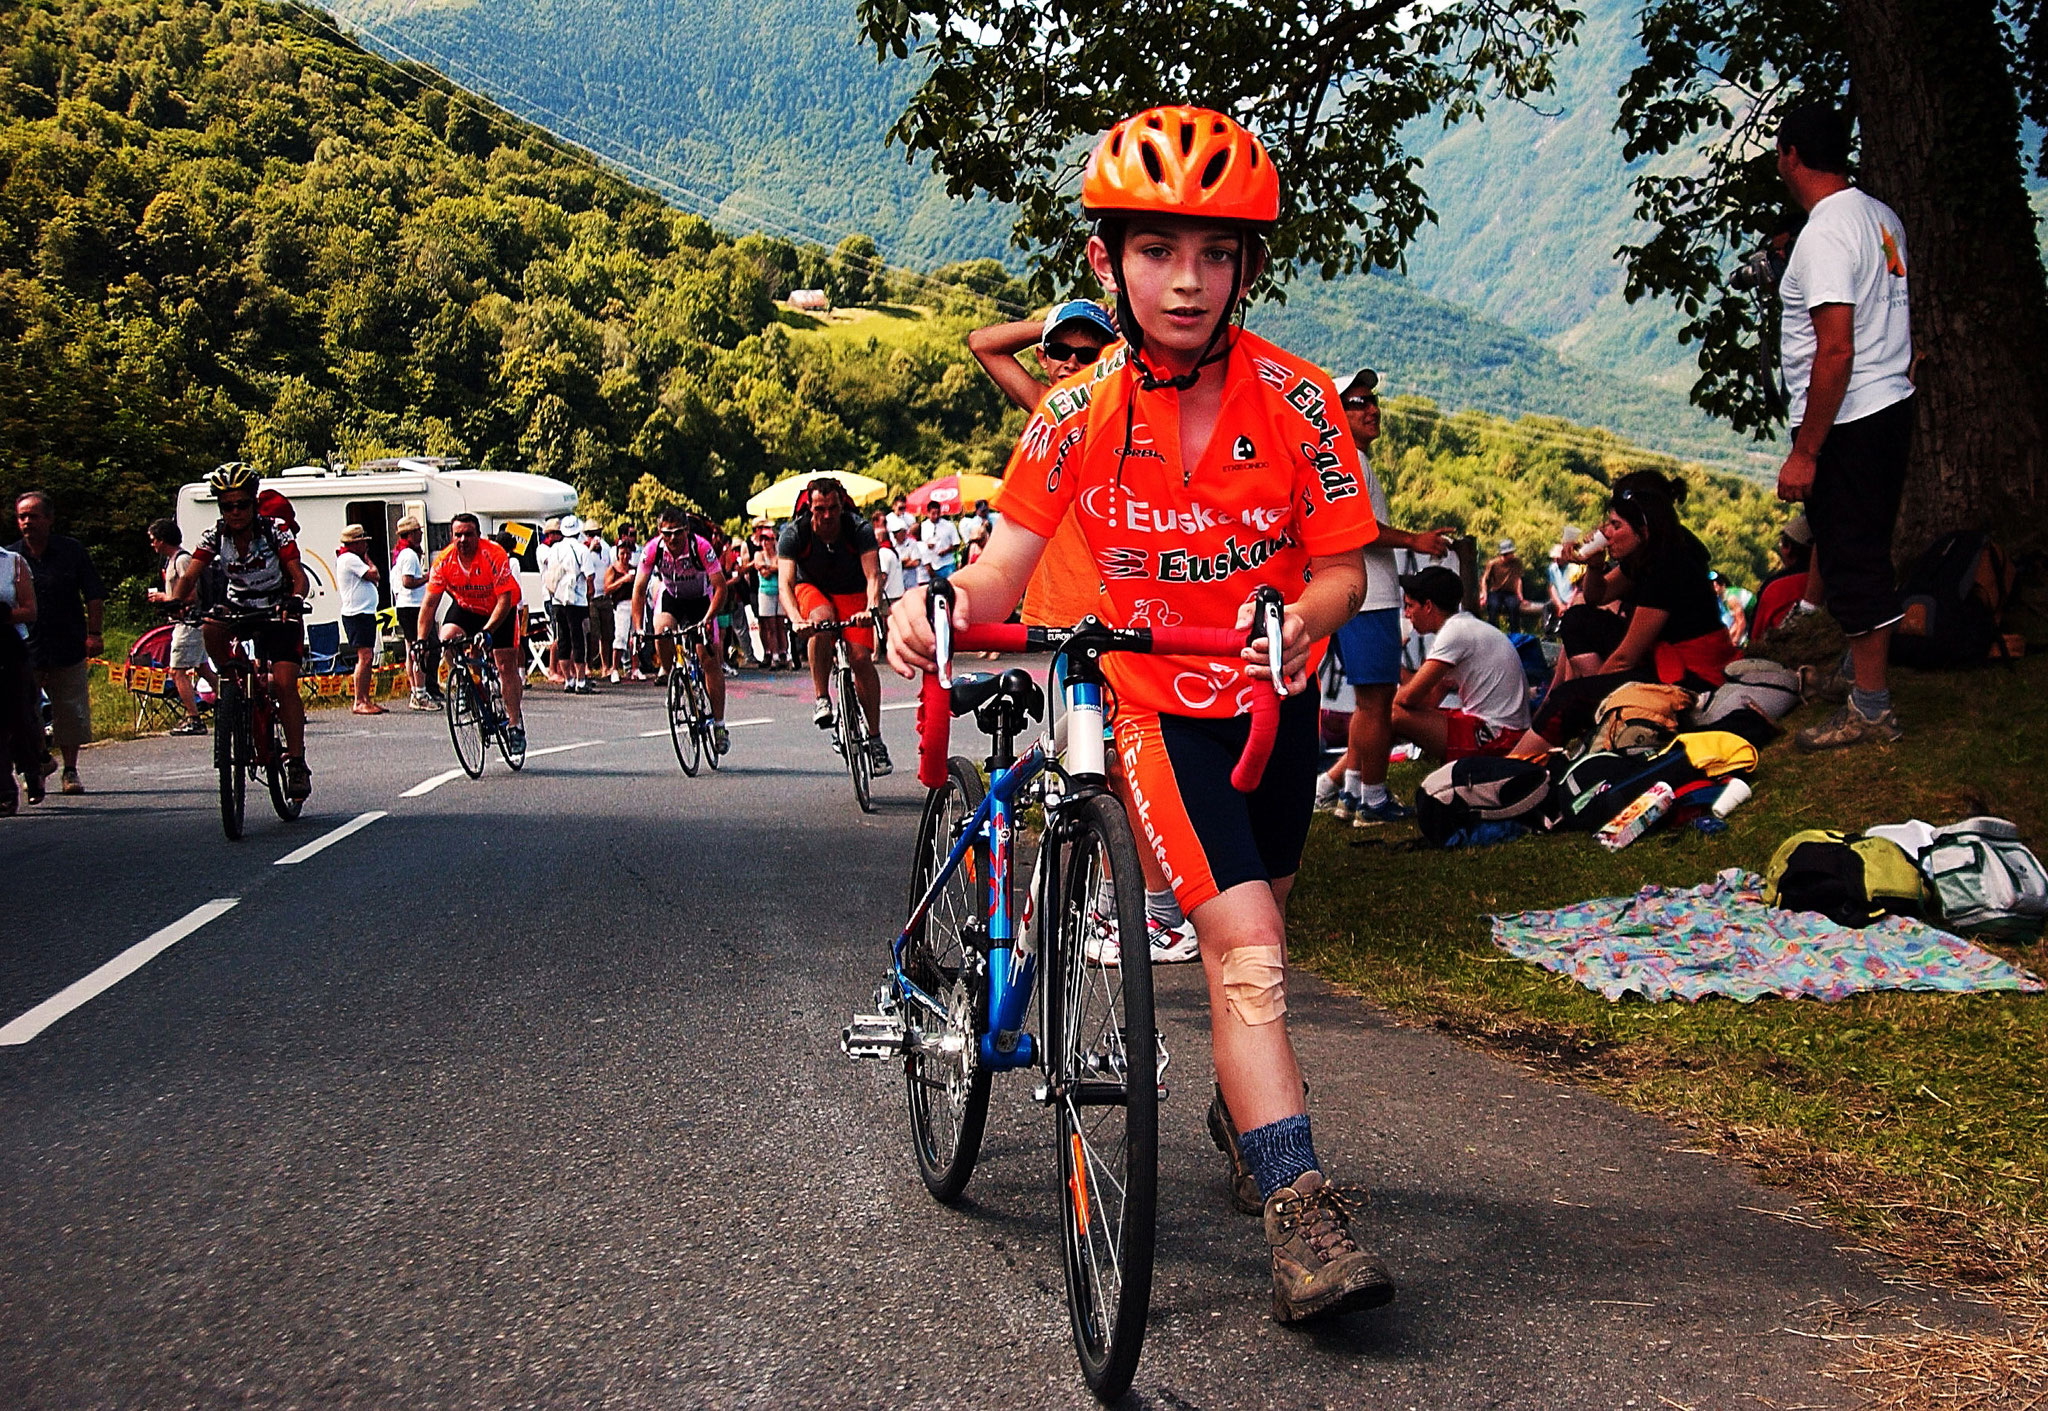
(355, 534)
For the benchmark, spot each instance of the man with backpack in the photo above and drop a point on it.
(1846, 349)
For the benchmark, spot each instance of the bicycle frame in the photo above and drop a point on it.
(1013, 957)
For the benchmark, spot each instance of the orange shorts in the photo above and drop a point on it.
(1207, 836)
(841, 605)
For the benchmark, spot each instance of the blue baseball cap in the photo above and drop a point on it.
(1077, 311)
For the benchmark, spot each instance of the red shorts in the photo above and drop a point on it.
(1206, 836)
(1467, 735)
(841, 605)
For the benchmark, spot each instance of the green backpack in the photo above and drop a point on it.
(1852, 880)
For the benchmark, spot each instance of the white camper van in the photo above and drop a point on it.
(377, 494)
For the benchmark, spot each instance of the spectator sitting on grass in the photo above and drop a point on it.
(1471, 657)
(1783, 590)
(1669, 626)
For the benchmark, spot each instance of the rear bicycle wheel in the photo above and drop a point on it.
(682, 720)
(466, 721)
(700, 694)
(272, 725)
(501, 728)
(228, 750)
(1102, 1053)
(853, 733)
(944, 1082)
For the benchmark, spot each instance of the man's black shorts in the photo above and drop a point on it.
(1853, 508)
(504, 636)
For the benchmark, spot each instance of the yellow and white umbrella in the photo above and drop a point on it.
(778, 501)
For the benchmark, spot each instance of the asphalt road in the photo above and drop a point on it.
(528, 1093)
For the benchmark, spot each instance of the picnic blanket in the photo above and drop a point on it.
(1721, 939)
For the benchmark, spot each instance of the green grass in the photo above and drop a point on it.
(1931, 1102)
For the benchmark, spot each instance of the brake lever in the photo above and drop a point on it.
(938, 605)
(1269, 620)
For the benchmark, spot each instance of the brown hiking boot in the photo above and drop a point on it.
(1244, 1186)
(1849, 726)
(1318, 1269)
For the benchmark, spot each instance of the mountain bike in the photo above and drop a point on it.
(248, 731)
(689, 700)
(963, 970)
(852, 738)
(476, 706)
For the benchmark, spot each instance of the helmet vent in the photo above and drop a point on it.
(1152, 121)
(1116, 144)
(1213, 172)
(1151, 159)
(1187, 138)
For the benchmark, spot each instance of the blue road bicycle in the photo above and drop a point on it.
(963, 970)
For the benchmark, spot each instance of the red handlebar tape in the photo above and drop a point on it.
(935, 716)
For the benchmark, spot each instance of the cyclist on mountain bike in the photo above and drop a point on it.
(476, 576)
(260, 558)
(831, 571)
(1181, 200)
(693, 588)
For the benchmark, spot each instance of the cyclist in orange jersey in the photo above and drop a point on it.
(476, 576)
(1201, 462)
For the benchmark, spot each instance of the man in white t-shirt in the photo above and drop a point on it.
(408, 590)
(1468, 656)
(1368, 647)
(911, 552)
(566, 571)
(900, 516)
(1846, 349)
(940, 537)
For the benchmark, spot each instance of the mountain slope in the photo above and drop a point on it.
(769, 115)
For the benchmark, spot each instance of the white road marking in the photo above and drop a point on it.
(650, 734)
(427, 786)
(564, 749)
(80, 992)
(186, 773)
(757, 720)
(330, 838)
(901, 705)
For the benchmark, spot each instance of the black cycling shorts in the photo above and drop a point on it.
(504, 636)
(687, 611)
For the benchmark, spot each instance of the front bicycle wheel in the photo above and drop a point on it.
(272, 725)
(227, 756)
(946, 1086)
(853, 736)
(682, 721)
(1102, 1054)
(466, 721)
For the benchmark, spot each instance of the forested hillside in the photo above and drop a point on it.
(771, 114)
(226, 232)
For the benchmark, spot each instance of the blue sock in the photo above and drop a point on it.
(1278, 1152)
(1871, 704)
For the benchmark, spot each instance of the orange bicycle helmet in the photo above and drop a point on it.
(1182, 161)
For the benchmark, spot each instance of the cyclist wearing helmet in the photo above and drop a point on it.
(475, 575)
(1202, 462)
(260, 558)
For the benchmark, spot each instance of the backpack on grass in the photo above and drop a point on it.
(1768, 688)
(1985, 880)
(1954, 598)
(1641, 714)
(1481, 789)
(1596, 786)
(1853, 880)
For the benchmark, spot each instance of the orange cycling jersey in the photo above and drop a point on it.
(1178, 545)
(475, 585)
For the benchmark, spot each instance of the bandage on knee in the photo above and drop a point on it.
(1255, 983)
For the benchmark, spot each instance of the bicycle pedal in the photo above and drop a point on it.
(874, 1036)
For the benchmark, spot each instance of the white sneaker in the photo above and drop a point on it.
(1327, 791)
(1101, 946)
(1172, 945)
(822, 717)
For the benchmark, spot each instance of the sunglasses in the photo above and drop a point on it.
(227, 506)
(1070, 352)
(675, 533)
(1361, 403)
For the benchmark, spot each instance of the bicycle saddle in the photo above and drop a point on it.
(974, 689)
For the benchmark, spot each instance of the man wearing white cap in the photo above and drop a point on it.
(566, 574)
(1502, 585)
(408, 591)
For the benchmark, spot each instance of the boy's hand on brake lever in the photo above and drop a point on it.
(1294, 645)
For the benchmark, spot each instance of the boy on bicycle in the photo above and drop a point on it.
(1202, 462)
(260, 558)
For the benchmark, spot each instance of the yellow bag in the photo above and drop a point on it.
(1715, 753)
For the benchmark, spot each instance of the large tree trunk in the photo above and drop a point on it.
(1934, 98)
